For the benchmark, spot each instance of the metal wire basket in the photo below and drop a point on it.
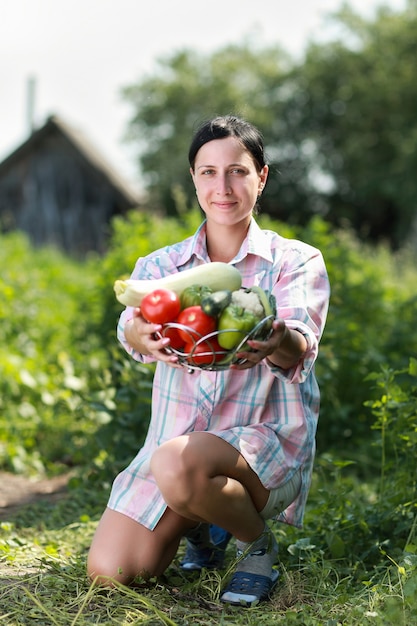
(211, 358)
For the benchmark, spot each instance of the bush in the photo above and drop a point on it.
(48, 356)
(70, 394)
(370, 323)
(364, 524)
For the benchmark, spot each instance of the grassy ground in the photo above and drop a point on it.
(43, 549)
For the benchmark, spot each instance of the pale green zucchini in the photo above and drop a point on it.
(214, 275)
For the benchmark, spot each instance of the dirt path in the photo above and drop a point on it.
(17, 491)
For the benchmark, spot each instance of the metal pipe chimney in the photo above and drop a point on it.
(30, 105)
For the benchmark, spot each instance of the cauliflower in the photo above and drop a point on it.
(249, 301)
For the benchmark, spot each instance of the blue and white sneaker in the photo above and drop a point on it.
(255, 576)
(246, 589)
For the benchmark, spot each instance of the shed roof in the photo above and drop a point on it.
(94, 158)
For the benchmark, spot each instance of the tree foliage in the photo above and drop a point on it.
(359, 105)
(340, 125)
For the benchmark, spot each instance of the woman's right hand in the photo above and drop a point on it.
(141, 336)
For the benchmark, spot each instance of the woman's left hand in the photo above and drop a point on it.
(284, 346)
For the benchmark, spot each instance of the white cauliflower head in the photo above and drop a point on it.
(249, 301)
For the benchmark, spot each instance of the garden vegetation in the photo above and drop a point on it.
(72, 401)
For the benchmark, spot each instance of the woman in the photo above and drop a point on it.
(231, 449)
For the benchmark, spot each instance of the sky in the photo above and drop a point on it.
(81, 53)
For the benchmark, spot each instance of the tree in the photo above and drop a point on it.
(340, 125)
(186, 89)
(358, 111)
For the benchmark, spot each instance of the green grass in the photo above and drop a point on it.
(43, 551)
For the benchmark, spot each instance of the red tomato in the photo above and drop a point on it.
(175, 340)
(197, 321)
(160, 306)
(204, 353)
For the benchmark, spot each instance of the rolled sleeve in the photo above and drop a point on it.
(125, 317)
(300, 371)
(302, 295)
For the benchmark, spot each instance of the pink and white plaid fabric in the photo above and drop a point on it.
(268, 414)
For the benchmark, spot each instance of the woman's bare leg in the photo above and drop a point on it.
(203, 478)
(123, 549)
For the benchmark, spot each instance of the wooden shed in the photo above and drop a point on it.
(59, 190)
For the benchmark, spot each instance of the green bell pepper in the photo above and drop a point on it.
(192, 295)
(235, 318)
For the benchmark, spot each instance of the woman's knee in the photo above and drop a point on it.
(107, 567)
(115, 552)
(178, 471)
(104, 571)
(171, 463)
(187, 455)
(123, 550)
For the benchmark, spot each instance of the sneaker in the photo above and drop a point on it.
(206, 548)
(247, 589)
(255, 576)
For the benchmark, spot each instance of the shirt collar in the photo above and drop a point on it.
(255, 243)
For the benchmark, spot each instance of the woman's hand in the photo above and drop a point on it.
(284, 348)
(141, 336)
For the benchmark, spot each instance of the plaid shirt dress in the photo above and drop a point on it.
(268, 414)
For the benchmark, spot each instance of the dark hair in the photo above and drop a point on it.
(229, 126)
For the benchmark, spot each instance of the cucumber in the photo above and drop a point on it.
(214, 303)
(215, 275)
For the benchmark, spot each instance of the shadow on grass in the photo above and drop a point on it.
(55, 509)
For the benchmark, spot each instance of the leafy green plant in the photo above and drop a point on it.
(395, 411)
(366, 531)
(48, 356)
(371, 294)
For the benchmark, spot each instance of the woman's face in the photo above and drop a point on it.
(227, 181)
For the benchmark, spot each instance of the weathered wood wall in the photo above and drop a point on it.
(52, 192)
